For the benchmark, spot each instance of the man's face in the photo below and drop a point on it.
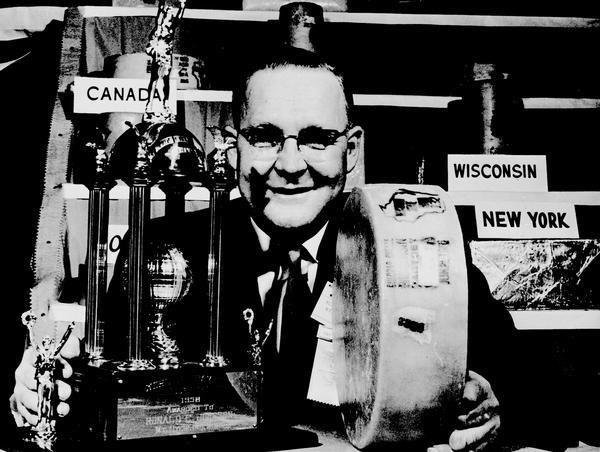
(289, 186)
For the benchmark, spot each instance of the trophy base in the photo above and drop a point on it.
(111, 404)
(249, 440)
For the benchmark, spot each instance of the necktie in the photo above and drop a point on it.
(287, 371)
(296, 310)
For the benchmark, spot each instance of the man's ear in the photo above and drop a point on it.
(232, 153)
(355, 147)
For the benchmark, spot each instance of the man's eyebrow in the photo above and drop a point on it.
(315, 128)
(264, 125)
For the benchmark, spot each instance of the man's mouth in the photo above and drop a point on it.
(289, 190)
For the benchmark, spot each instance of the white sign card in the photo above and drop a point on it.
(107, 95)
(479, 172)
(116, 232)
(526, 220)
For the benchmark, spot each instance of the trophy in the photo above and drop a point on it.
(157, 272)
(43, 434)
(152, 392)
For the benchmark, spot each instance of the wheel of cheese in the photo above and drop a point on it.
(400, 315)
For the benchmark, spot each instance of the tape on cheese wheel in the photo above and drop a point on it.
(400, 315)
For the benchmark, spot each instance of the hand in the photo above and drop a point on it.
(23, 402)
(582, 447)
(478, 427)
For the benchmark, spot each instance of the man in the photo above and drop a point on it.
(295, 145)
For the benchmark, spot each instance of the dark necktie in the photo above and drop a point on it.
(296, 310)
(287, 372)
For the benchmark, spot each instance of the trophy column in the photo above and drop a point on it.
(98, 211)
(139, 214)
(220, 182)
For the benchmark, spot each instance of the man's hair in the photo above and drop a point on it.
(284, 57)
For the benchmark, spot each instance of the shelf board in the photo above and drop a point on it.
(462, 20)
(121, 191)
(580, 198)
(568, 319)
(407, 101)
(37, 17)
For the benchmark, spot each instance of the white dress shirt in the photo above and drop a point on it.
(265, 281)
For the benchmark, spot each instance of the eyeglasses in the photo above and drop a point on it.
(271, 138)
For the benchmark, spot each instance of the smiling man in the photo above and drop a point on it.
(295, 145)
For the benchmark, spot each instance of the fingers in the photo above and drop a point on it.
(24, 400)
(25, 373)
(440, 448)
(66, 369)
(63, 409)
(24, 395)
(475, 438)
(29, 417)
(26, 403)
(460, 439)
(479, 426)
(476, 387)
(482, 413)
(480, 400)
(19, 420)
(29, 357)
(71, 348)
(64, 390)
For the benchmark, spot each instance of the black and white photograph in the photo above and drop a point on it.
(325, 226)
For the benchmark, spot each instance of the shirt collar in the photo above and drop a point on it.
(311, 245)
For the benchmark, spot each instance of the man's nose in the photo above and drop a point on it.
(289, 158)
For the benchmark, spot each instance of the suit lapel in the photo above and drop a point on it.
(242, 304)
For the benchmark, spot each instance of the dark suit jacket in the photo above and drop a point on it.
(490, 325)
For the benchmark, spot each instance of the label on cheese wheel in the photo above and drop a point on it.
(416, 263)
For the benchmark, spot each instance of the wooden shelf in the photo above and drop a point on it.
(409, 101)
(568, 319)
(34, 18)
(580, 198)
(363, 18)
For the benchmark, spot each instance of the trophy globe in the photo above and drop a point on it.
(170, 155)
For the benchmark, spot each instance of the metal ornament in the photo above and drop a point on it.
(160, 48)
(43, 434)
